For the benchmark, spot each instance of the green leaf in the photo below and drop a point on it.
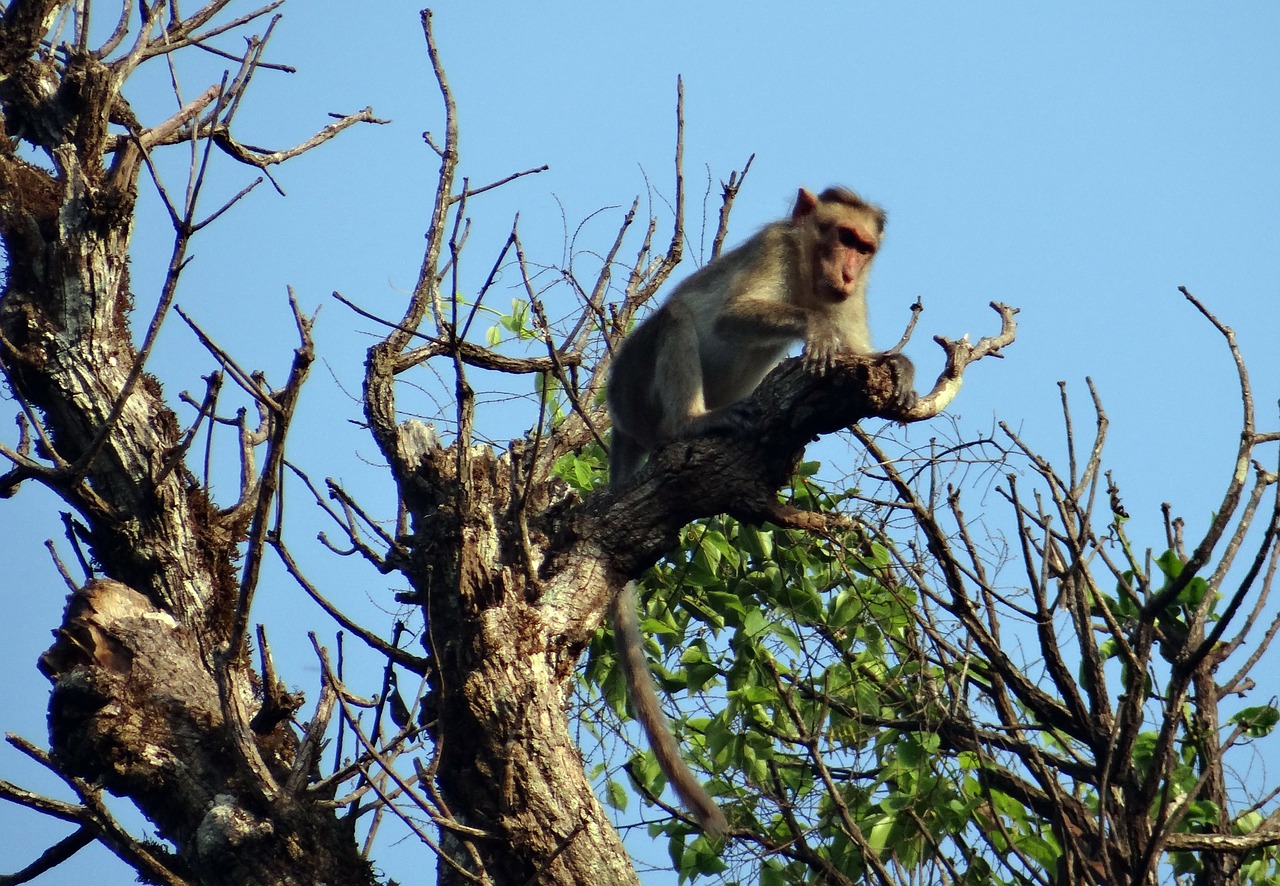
(878, 834)
(1202, 814)
(651, 627)
(722, 602)
(616, 795)
(1170, 564)
(1257, 722)
(773, 874)
(1247, 823)
(754, 623)
(756, 542)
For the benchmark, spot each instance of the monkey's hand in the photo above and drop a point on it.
(903, 372)
(820, 349)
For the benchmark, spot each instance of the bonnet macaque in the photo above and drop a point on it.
(686, 368)
(804, 278)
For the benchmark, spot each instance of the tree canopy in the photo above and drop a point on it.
(931, 662)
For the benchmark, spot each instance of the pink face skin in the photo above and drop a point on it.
(847, 241)
(844, 251)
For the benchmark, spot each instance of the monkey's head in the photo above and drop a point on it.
(845, 232)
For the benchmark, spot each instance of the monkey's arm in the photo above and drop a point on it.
(753, 320)
(762, 294)
(759, 289)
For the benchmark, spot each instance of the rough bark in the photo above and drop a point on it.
(136, 709)
(152, 687)
(501, 657)
(135, 704)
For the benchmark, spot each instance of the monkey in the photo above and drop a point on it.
(686, 369)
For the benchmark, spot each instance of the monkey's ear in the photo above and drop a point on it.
(805, 204)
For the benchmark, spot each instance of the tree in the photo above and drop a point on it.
(868, 720)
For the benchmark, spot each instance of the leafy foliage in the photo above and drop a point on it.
(852, 732)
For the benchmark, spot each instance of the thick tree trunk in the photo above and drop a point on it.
(503, 653)
(136, 709)
(136, 705)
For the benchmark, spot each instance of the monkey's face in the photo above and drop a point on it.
(847, 243)
(839, 233)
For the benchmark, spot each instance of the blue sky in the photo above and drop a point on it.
(1079, 161)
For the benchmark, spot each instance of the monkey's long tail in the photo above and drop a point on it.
(635, 667)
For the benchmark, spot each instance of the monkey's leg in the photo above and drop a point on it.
(677, 378)
(732, 419)
(626, 454)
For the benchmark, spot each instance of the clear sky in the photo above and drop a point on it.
(1080, 161)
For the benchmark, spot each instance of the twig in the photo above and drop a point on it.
(1231, 497)
(729, 193)
(262, 158)
(400, 656)
(51, 857)
(959, 355)
(419, 801)
(472, 354)
(472, 192)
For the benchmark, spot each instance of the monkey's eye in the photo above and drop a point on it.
(850, 239)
